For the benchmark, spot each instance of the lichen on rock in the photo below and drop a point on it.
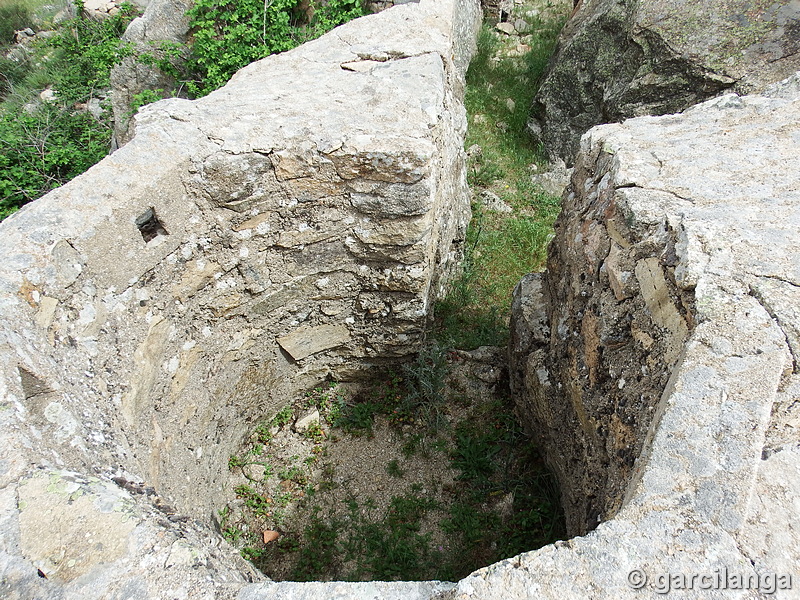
(618, 59)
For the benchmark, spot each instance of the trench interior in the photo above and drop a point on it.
(422, 472)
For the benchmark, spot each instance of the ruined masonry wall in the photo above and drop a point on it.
(657, 360)
(297, 224)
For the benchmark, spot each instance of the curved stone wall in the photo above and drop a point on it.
(295, 225)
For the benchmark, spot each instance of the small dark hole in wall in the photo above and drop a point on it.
(149, 225)
(32, 385)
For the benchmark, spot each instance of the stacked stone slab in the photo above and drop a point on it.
(656, 359)
(295, 225)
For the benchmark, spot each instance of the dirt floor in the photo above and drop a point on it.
(353, 485)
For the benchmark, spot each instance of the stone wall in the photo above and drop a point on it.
(656, 358)
(162, 21)
(295, 225)
(618, 59)
(596, 337)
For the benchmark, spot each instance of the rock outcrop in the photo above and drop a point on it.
(618, 59)
(656, 359)
(296, 224)
(162, 21)
(102, 9)
(377, 6)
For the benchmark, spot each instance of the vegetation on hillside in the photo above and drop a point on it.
(501, 247)
(227, 35)
(48, 135)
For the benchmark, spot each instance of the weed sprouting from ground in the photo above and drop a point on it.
(425, 379)
(489, 497)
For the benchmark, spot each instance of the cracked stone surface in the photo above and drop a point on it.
(294, 225)
(618, 59)
(656, 358)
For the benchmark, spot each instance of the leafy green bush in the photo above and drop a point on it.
(45, 144)
(41, 150)
(87, 50)
(229, 34)
(146, 97)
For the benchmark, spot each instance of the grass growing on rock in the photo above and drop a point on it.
(501, 246)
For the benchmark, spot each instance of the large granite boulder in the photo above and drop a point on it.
(618, 59)
(656, 360)
(297, 224)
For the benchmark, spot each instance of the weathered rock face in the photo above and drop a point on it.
(656, 359)
(613, 330)
(296, 224)
(162, 21)
(626, 58)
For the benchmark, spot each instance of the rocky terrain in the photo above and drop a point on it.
(239, 251)
(620, 59)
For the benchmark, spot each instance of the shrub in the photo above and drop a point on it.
(87, 50)
(40, 151)
(45, 144)
(229, 34)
